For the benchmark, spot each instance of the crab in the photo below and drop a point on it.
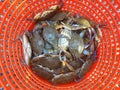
(26, 49)
(50, 36)
(37, 42)
(76, 45)
(65, 78)
(47, 14)
(50, 61)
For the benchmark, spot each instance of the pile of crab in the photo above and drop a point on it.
(62, 47)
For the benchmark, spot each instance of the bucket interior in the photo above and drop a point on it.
(16, 17)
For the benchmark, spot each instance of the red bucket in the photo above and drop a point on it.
(15, 20)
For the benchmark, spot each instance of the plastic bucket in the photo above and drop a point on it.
(14, 21)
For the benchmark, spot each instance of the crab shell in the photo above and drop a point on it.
(37, 42)
(47, 14)
(50, 62)
(50, 35)
(65, 78)
(76, 45)
(26, 49)
(85, 68)
(43, 72)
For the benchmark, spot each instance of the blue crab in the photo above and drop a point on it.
(76, 45)
(45, 15)
(50, 35)
(26, 49)
(37, 42)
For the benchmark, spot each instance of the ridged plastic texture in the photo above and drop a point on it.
(14, 21)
